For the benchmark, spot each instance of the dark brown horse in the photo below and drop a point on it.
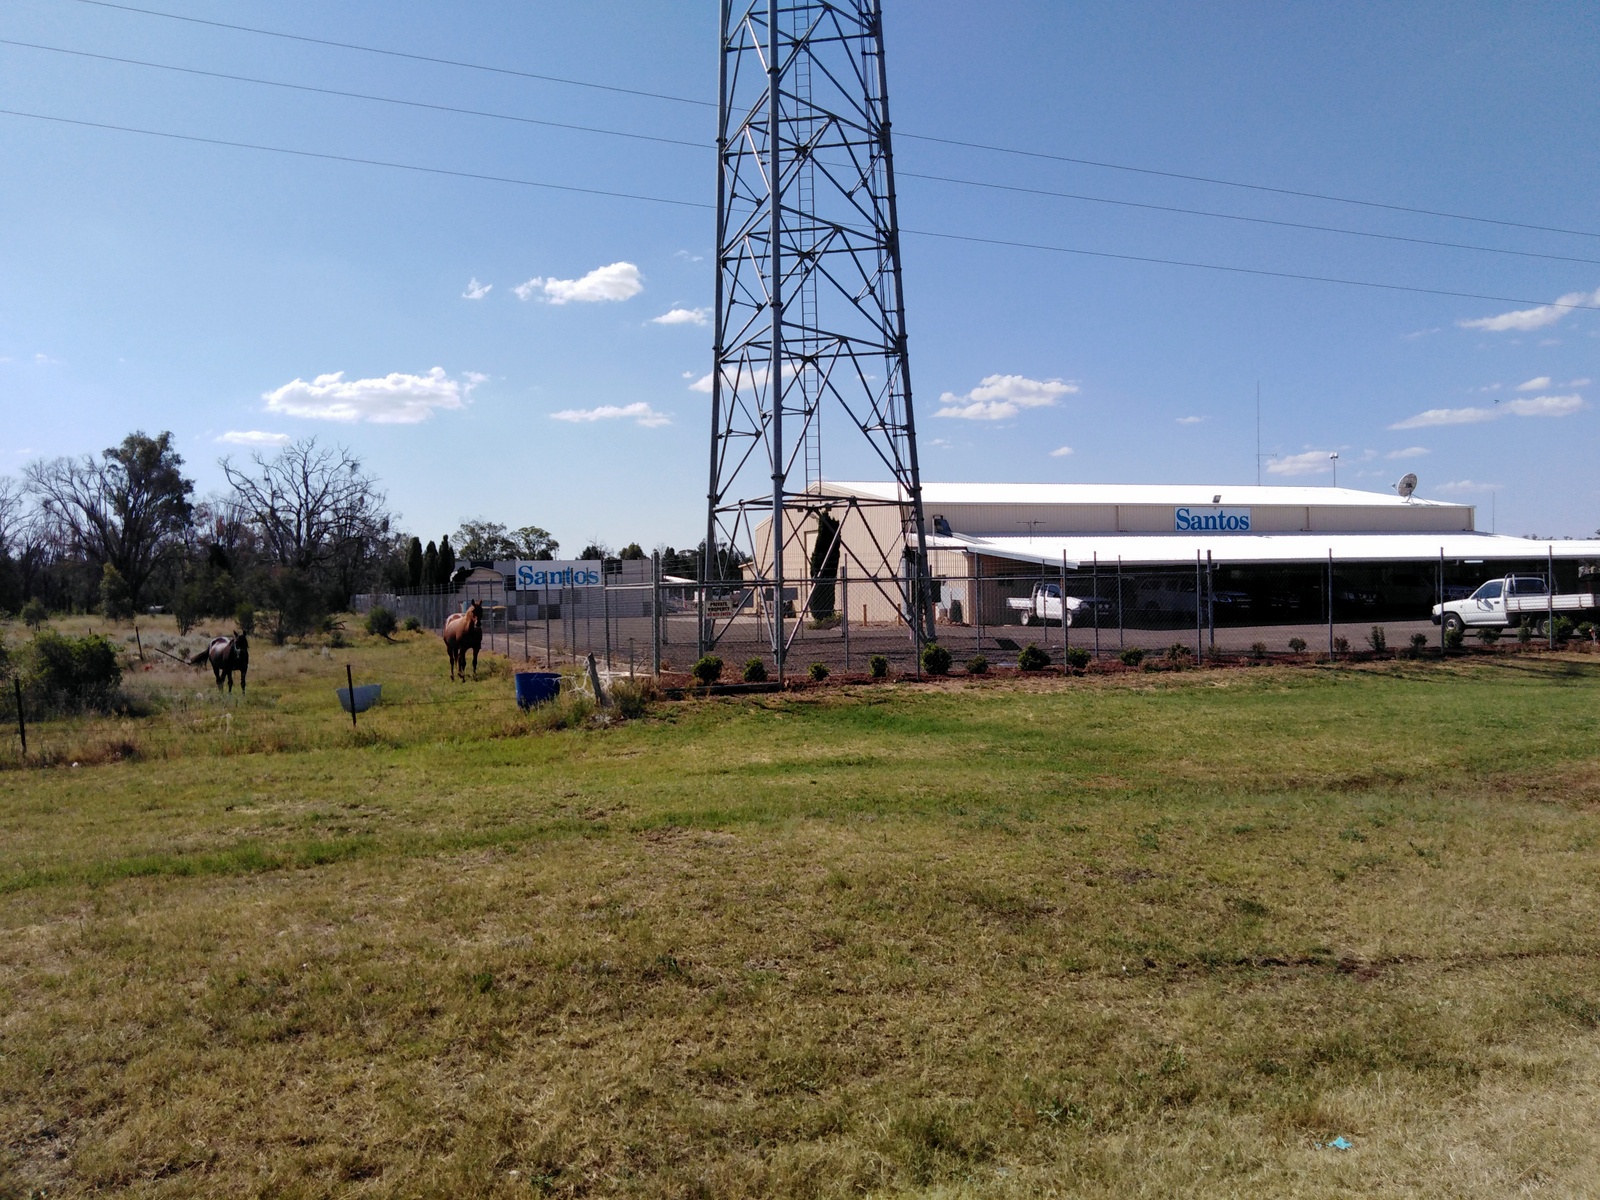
(227, 655)
(463, 631)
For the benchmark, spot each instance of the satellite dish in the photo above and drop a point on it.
(1407, 485)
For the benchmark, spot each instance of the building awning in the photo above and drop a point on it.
(1082, 550)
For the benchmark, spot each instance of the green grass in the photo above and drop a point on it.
(1133, 936)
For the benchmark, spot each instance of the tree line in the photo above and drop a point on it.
(293, 536)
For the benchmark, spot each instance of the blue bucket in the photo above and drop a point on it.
(537, 687)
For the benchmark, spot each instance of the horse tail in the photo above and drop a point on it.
(200, 658)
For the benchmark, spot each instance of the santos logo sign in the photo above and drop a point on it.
(536, 575)
(1211, 520)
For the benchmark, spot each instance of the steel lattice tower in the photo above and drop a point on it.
(810, 315)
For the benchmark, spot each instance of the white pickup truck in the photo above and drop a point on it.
(1044, 606)
(1508, 602)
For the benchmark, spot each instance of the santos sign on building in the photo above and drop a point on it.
(539, 576)
(1210, 520)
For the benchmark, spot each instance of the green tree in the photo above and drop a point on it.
(430, 566)
(129, 509)
(447, 560)
(632, 552)
(483, 540)
(414, 562)
(824, 565)
(536, 543)
(115, 601)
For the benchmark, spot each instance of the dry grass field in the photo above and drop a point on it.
(1139, 936)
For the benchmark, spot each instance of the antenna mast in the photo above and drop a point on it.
(809, 309)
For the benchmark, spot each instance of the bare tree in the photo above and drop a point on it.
(312, 507)
(11, 514)
(130, 508)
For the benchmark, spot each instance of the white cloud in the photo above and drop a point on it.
(1535, 384)
(44, 360)
(640, 412)
(618, 281)
(1409, 452)
(1580, 382)
(474, 378)
(1061, 452)
(476, 290)
(999, 397)
(1546, 406)
(1190, 420)
(681, 316)
(686, 256)
(395, 399)
(253, 437)
(1312, 462)
(1523, 320)
(1460, 486)
(1447, 416)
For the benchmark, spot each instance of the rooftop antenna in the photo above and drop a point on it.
(1407, 485)
(1334, 459)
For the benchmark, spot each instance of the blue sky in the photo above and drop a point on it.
(158, 284)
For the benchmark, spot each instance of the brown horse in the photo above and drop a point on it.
(463, 631)
(227, 655)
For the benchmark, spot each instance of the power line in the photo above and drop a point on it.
(427, 58)
(366, 162)
(921, 137)
(560, 187)
(1254, 187)
(1179, 262)
(977, 183)
(1221, 216)
(325, 91)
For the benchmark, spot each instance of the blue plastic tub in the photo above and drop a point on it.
(366, 696)
(537, 687)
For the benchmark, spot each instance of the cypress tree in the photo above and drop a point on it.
(430, 566)
(414, 562)
(447, 560)
(824, 566)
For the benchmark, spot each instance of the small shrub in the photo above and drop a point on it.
(1524, 633)
(381, 622)
(935, 659)
(1454, 636)
(1563, 629)
(818, 672)
(1179, 653)
(1297, 645)
(411, 624)
(1419, 643)
(1258, 650)
(632, 698)
(336, 639)
(878, 667)
(34, 613)
(1032, 658)
(1488, 635)
(977, 665)
(1077, 658)
(116, 601)
(245, 618)
(1131, 657)
(1341, 645)
(755, 671)
(707, 670)
(1378, 639)
(1585, 631)
(73, 673)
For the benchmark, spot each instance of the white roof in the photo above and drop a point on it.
(936, 494)
(1148, 548)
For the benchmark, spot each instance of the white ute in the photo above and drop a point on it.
(1044, 606)
(1508, 602)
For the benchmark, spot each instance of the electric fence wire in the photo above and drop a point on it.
(899, 133)
(707, 147)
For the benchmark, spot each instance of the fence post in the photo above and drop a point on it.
(1211, 602)
(1199, 617)
(1096, 603)
(350, 691)
(1065, 616)
(1550, 599)
(1441, 602)
(844, 606)
(977, 599)
(1121, 625)
(605, 612)
(1330, 603)
(655, 612)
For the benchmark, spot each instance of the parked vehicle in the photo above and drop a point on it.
(1508, 602)
(1172, 597)
(1044, 606)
